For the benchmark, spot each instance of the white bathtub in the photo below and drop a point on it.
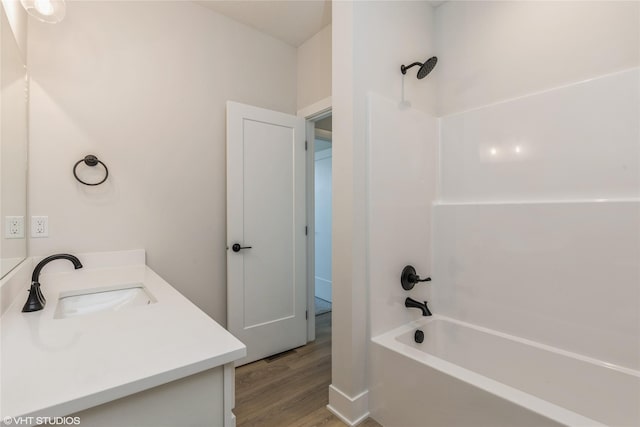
(465, 375)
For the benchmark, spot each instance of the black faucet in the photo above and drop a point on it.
(36, 300)
(411, 303)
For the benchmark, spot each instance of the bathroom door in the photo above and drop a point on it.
(266, 230)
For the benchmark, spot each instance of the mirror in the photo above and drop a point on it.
(13, 150)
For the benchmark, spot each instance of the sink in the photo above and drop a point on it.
(89, 301)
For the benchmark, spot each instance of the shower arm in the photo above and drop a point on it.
(404, 68)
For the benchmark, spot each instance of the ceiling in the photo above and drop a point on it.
(291, 21)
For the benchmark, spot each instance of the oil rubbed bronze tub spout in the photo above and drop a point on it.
(411, 303)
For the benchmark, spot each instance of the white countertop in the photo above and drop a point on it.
(55, 367)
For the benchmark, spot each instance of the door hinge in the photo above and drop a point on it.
(306, 314)
(306, 230)
(305, 145)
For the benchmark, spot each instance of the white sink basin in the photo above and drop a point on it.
(82, 302)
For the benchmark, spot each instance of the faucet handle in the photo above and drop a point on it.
(409, 278)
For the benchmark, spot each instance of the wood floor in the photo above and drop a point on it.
(290, 389)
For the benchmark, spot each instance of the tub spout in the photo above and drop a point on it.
(411, 303)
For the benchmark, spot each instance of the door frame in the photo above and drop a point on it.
(312, 114)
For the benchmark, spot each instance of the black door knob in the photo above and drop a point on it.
(236, 247)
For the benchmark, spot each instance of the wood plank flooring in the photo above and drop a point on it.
(291, 389)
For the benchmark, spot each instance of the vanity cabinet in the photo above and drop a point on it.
(163, 363)
(203, 399)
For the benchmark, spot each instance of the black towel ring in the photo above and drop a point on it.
(91, 160)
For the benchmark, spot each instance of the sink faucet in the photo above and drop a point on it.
(36, 300)
(411, 303)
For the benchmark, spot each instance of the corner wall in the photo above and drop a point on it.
(370, 42)
(314, 69)
(144, 88)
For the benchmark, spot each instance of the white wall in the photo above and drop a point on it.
(314, 69)
(370, 42)
(390, 34)
(143, 86)
(495, 50)
(17, 17)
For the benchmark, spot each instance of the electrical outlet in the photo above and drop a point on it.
(14, 227)
(39, 226)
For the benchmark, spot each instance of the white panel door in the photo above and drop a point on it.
(266, 221)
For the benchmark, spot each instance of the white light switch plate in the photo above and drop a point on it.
(14, 227)
(39, 226)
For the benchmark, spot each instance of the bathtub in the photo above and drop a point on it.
(466, 375)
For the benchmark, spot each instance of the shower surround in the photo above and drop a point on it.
(526, 213)
(512, 182)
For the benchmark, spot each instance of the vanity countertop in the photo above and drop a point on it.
(55, 367)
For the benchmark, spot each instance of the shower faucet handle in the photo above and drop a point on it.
(409, 278)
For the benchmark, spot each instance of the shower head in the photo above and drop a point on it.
(425, 68)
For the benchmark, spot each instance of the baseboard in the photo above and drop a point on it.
(351, 410)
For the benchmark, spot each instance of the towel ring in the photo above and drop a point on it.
(91, 160)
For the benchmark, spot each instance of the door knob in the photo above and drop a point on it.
(236, 247)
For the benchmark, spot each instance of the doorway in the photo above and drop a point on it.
(322, 154)
(319, 126)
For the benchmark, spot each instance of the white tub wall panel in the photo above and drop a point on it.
(416, 395)
(563, 274)
(574, 142)
(402, 160)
